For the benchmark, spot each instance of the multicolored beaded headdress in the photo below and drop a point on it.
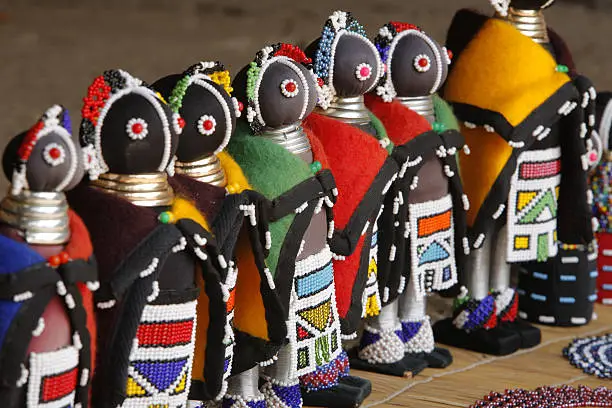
(202, 74)
(338, 24)
(57, 121)
(282, 53)
(386, 41)
(101, 94)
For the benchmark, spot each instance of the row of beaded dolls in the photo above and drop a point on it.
(232, 281)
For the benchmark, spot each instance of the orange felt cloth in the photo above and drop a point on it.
(503, 71)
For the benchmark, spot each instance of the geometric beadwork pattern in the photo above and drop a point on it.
(313, 316)
(52, 380)
(370, 298)
(432, 245)
(161, 357)
(532, 203)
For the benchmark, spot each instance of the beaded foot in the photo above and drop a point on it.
(319, 390)
(506, 304)
(419, 343)
(474, 327)
(238, 401)
(383, 352)
(282, 395)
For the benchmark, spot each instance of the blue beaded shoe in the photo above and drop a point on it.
(383, 352)
(474, 327)
(419, 343)
(283, 395)
(237, 401)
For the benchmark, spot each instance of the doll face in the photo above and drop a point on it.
(419, 65)
(286, 94)
(53, 164)
(531, 4)
(210, 119)
(139, 134)
(356, 65)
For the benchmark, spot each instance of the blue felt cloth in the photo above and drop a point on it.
(14, 257)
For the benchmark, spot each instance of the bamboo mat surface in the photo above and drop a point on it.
(473, 375)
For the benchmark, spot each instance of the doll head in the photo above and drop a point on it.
(416, 64)
(202, 97)
(501, 6)
(44, 158)
(345, 59)
(279, 87)
(127, 128)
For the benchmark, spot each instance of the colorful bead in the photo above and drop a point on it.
(550, 396)
(316, 166)
(166, 217)
(562, 68)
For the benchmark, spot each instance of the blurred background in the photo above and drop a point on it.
(50, 50)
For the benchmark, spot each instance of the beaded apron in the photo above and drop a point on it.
(432, 245)
(370, 299)
(532, 206)
(53, 378)
(314, 326)
(161, 357)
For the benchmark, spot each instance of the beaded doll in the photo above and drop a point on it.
(574, 298)
(525, 180)
(202, 96)
(416, 69)
(359, 150)
(152, 253)
(47, 273)
(601, 186)
(278, 93)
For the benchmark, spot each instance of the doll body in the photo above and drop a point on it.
(279, 93)
(149, 278)
(417, 67)
(517, 202)
(46, 253)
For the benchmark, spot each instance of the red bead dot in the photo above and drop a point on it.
(364, 71)
(137, 128)
(320, 81)
(290, 87)
(423, 62)
(55, 153)
(593, 156)
(450, 54)
(240, 106)
(54, 260)
(208, 125)
(181, 122)
(64, 257)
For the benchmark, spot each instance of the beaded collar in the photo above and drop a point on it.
(338, 24)
(282, 53)
(386, 41)
(105, 90)
(202, 74)
(55, 120)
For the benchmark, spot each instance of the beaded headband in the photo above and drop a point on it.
(55, 120)
(386, 41)
(338, 24)
(101, 94)
(282, 53)
(202, 74)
